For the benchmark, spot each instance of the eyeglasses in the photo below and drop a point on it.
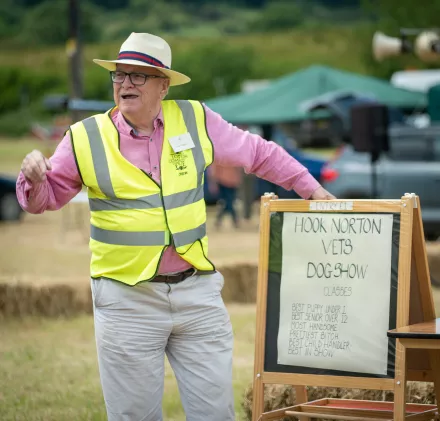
(136, 79)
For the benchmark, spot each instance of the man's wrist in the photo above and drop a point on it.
(31, 188)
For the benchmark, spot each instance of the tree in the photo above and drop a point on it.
(47, 23)
(280, 15)
(10, 16)
(215, 69)
(394, 14)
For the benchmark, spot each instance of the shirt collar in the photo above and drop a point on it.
(124, 126)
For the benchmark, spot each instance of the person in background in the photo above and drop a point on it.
(224, 182)
(155, 291)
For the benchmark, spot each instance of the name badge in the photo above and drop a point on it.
(182, 142)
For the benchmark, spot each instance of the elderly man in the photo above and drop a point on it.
(155, 291)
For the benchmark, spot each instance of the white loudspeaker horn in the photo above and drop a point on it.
(385, 46)
(427, 46)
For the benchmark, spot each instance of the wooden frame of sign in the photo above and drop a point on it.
(414, 303)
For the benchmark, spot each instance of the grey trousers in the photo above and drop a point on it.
(136, 326)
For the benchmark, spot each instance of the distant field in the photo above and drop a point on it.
(277, 53)
(13, 151)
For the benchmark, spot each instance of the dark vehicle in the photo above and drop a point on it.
(10, 209)
(411, 166)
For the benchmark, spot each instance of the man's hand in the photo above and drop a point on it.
(35, 167)
(321, 194)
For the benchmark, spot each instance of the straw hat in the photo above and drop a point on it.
(149, 51)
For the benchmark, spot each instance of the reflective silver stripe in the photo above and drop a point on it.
(188, 237)
(147, 202)
(190, 121)
(129, 238)
(98, 156)
(183, 198)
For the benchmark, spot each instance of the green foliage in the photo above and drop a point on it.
(144, 16)
(47, 23)
(17, 123)
(10, 17)
(215, 69)
(218, 44)
(395, 14)
(97, 83)
(391, 16)
(209, 20)
(20, 86)
(279, 15)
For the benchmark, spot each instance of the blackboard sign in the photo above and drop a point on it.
(332, 291)
(333, 278)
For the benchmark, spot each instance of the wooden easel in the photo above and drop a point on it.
(414, 305)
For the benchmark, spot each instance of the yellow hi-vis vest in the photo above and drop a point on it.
(133, 218)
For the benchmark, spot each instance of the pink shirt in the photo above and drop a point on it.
(232, 147)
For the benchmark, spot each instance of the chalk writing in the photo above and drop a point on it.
(345, 225)
(318, 334)
(335, 289)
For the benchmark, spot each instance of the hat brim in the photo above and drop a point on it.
(176, 78)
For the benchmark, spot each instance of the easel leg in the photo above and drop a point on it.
(400, 385)
(434, 358)
(258, 402)
(301, 397)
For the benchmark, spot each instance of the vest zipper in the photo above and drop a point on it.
(166, 222)
(163, 206)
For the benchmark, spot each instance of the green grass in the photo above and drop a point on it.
(49, 371)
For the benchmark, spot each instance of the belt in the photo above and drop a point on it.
(175, 278)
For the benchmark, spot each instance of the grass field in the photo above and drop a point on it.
(48, 369)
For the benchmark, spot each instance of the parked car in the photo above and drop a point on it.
(412, 165)
(10, 209)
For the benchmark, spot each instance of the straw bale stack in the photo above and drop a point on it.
(19, 299)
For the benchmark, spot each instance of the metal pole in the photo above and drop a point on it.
(374, 189)
(74, 52)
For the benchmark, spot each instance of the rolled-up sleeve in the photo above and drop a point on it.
(265, 159)
(62, 183)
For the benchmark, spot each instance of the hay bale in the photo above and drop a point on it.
(282, 396)
(240, 283)
(20, 300)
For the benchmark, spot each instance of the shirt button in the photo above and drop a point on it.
(151, 139)
(155, 167)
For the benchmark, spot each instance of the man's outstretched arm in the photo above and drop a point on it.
(48, 184)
